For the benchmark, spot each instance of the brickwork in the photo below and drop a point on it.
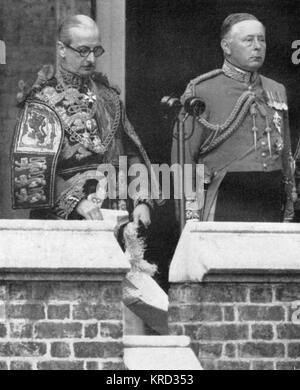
(61, 326)
(28, 29)
(239, 326)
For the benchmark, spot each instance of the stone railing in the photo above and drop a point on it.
(61, 295)
(235, 291)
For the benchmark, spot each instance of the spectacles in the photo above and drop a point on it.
(85, 51)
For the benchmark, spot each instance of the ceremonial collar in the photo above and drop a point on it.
(71, 79)
(238, 74)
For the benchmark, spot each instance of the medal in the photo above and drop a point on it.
(277, 120)
(276, 102)
(90, 97)
(283, 105)
(279, 145)
(89, 124)
(270, 100)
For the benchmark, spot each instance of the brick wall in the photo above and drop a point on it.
(238, 325)
(28, 29)
(61, 325)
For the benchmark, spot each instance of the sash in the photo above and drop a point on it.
(36, 145)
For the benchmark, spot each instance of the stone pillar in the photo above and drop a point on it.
(111, 18)
(61, 296)
(235, 291)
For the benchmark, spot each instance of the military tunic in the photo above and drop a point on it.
(243, 130)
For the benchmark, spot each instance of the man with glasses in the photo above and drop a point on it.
(242, 138)
(72, 122)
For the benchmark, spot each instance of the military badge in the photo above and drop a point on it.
(37, 141)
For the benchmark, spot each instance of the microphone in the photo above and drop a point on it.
(194, 106)
(168, 102)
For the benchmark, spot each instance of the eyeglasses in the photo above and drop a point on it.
(85, 51)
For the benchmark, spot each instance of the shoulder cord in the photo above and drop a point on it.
(241, 100)
(235, 123)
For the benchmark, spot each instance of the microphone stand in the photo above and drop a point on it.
(181, 154)
(194, 107)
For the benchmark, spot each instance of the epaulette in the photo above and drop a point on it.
(101, 78)
(206, 76)
(201, 78)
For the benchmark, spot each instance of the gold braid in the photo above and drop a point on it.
(232, 123)
(221, 133)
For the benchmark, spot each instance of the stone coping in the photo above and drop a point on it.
(241, 252)
(111, 219)
(242, 227)
(62, 250)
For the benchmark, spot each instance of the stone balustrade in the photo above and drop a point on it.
(235, 291)
(61, 295)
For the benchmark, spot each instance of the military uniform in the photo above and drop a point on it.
(243, 141)
(68, 126)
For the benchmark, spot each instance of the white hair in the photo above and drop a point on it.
(74, 21)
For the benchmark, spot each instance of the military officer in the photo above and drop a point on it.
(243, 137)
